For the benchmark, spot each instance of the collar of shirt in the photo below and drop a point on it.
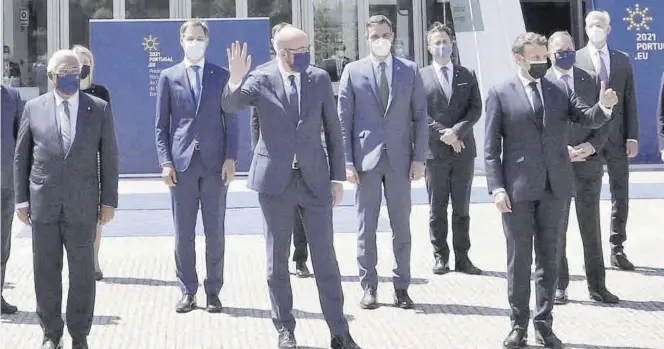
(594, 50)
(559, 74)
(438, 67)
(285, 75)
(188, 63)
(526, 82)
(376, 62)
(73, 101)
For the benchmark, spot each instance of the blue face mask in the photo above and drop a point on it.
(301, 61)
(67, 84)
(565, 60)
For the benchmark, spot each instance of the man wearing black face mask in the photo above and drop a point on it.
(530, 176)
(62, 196)
(584, 143)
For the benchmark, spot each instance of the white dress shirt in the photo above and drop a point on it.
(559, 76)
(285, 77)
(529, 90)
(192, 75)
(388, 70)
(606, 56)
(446, 85)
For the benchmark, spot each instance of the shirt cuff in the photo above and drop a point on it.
(340, 182)
(23, 205)
(632, 140)
(232, 87)
(166, 163)
(607, 111)
(499, 190)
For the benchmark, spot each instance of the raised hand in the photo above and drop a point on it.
(239, 62)
(607, 98)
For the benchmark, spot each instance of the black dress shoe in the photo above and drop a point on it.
(402, 299)
(79, 343)
(518, 338)
(51, 344)
(301, 270)
(344, 341)
(287, 339)
(213, 304)
(467, 267)
(186, 304)
(8, 308)
(369, 300)
(604, 296)
(546, 338)
(99, 275)
(561, 297)
(620, 261)
(441, 267)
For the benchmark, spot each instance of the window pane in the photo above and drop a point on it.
(80, 13)
(142, 9)
(439, 11)
(213, 8)
(400, 13)
(25, 51)
(277, 10)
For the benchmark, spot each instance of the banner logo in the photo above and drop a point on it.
(637, 18)
(150, 43)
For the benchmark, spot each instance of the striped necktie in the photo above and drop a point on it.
(65, 127)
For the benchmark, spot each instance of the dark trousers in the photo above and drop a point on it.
(588, 180)
(301, 253)
(7, 217)
(445, 180)
(539, 224)
(279, 212)
(78, 238)
(617, 164)
(199, 185)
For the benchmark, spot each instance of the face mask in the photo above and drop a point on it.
(441, 51)
(301, 61)
(67, 84)
(85, 72)
(381, 47)
(340, 54)
(194, 49)
(565, 60)
(538, 69)
(596, 34)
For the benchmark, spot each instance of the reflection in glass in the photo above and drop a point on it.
(213, 8)
(277, 10)
(335, 35)
(142, 9)
(400, 13)
(80, 14)
(440, 12)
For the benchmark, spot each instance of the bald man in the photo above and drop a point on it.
(290, 171)
(60, 194)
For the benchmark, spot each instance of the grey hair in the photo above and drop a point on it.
(59, 56)
(600, 14)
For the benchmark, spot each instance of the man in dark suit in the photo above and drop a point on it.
(455, 105)
(615, 70)
(527, 121)
(11, 69)
(290, 171)
(197, 148)
(60, 193)
(12, 108)
(382, 108)
(335, 65)
(301, 252)
(584, 145)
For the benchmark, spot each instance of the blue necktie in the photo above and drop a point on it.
(293, 98)
(603, 73)
(446, 83)
(197, 88)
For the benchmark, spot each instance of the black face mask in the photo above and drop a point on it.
(85, 72)
(538, 69)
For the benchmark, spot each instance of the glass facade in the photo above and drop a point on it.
(335, 35)
(142, 9)
(80, 14)
(212, 8)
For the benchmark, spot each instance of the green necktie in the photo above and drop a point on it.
(384, 86)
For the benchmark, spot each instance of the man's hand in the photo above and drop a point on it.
(228, 171)
(458, 146)
(416, 170)
(23, 215)
(575, 155)
(337, 193)
(585, 149)
(607, 98)
(448, 136)
(168, 175)
(351, 174)
(239, 62)
(106, 215)
(632, 147)
(502, 202)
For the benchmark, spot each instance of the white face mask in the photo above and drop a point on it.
(381, 47)
(194, 49)
(596, 34)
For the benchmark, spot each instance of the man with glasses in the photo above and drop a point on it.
(62, 196)
(290, 171)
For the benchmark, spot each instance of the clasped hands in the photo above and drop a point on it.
(580, 152)
(450, 138)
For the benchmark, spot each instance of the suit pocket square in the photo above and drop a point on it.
(462, 83)
(520, 159)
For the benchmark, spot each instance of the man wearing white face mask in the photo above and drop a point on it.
(197, 147)
(614, 68)
(382, 107)
(455, 105)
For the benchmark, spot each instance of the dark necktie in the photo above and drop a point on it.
(384, 86)
(65, 127)
(538, 106)
(447, 88)
(293, 98)
(603, 73)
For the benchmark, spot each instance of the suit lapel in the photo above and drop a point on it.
(520, 92)
(305, 90)
(278, 84)
(613, 66)
(397, 75)
(205, 84)
(82, 119)
(547, 98)
(370, 75)
(49, 108)
(585, 62)
(433, 74)
(455, 79)
(183, 78)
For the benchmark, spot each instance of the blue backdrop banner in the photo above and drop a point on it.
(130, 55)
(637, 28)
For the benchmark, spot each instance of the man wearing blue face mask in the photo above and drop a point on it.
(291, 172)
(197, 147)
(61, 194)
(584, 145)
(455, 105)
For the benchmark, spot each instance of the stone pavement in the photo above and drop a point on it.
(135, 301)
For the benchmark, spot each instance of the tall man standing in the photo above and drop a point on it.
(197, 148)
(382, 108)
(584, 144)
(60, 192)
(12, 108)
(290, 171)
(455, 105)
(615, 70)
(527, 121)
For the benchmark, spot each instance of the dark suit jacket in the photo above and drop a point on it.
(99, 91)
(625, 122)
(661, 116)
(284, 134)
(12, 108)
(533, 151)
(330, 66)
(460, 115)
(52, 180)
(254, 119)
